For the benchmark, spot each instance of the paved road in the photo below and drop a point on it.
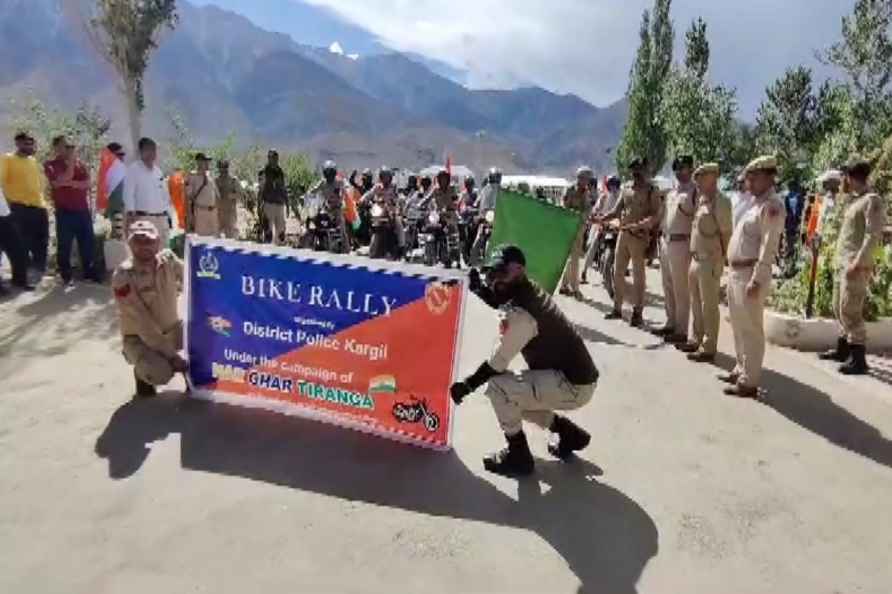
(682, 490)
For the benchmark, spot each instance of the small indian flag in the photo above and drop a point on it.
(382, 384)
(110, 193)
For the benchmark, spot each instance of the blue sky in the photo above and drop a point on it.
(567, 46)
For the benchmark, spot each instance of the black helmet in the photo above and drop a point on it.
(426, 182)
(443, 173)
(329, 170)
(385, 172)
(613, 182)
(495, 175)
(470, 182)
(367, 173)
(412, 181)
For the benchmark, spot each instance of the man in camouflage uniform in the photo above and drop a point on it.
(711, 230)
(676, 218)
(577, 198)
(638, 210)
(202, 198)
(230, 191)
(145, 289)
(862, 228)
(751, 254)
(332, 190)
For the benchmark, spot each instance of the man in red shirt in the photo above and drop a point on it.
(70, 184)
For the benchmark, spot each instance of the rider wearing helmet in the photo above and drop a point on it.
(411, 186)
(385, 194)
(368, 181)
(489, 195)
(331, 190)
(444, 199)
(469, 195)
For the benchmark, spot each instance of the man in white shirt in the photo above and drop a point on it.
(606, 202)
(11, 244)
(742, 200)
(146, 197)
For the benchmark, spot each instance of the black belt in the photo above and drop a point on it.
(679, 237)
(142, 213)
(743, 264)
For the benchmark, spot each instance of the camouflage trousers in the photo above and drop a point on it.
(849, 296)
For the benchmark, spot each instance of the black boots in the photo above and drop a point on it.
(637, 318)
(570, 438)
(613, 314)
(841, 353)
(515, 460)
(144, 389)
(857, 363)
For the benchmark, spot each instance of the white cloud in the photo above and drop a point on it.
(586, 47)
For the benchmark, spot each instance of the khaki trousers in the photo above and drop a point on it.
(705, 284)
(675, 265)
(151, 366)
(160, 222)
(206, 222)
(629, 247)
(571, 273)
(533, 395)
(849, 298)
(275, 216)
(747, 322)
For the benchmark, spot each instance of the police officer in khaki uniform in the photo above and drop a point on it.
(202, 198)
(638, 210)
(561, 374)
(676, 218)
(230, 195)
(578, 199)
(710, 234)
(145, 288)
(751, 254)
(862, 228)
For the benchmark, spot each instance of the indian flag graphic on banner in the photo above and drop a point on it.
(110, 193)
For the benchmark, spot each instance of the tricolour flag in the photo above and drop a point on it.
(110, 191)
(544, 232)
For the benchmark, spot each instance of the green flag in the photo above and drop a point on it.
(544, 232)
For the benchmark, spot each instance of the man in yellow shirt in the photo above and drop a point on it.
(21, 178)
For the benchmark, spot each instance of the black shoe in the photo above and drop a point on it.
(584, 280)
(570, 438)
(614, 314)
(515, 460)
(688, 347)
(637, 320)
(675, 339)
(739, 391)
(841, 353)
(663, 331)
(144, 389)
(25, 286)
(729, 378)
(3, 291)
(857, 363)
(701, 357)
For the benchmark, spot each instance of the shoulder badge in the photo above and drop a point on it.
(122, 291)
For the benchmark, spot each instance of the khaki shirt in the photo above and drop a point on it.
(577, 200)
(332, 194)
(386, 197)
(757, 235)
(637, 205)
(444, 199)
(230, 191)
(147, 301)
(201, 194)
(712, 227)
(677, 215)
(861, 232)
(517, 329)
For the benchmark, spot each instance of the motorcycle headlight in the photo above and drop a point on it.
(377, 211)
(434, 218)
(490, 216)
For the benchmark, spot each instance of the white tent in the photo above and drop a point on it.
(459, 173)
(554, 187)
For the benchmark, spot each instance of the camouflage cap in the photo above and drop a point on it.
(767, 163)
(503, 255)
(708, 168)
(143, 229)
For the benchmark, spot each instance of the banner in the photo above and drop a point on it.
(365, 344)
(544, 232)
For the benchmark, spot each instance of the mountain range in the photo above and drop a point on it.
(223, 74)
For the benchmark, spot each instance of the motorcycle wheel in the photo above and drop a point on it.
(376, 247)
(607, 270)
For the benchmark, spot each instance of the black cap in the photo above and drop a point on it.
(23, 136)
(637, 163)
(682, 161)
(202, 157)
(858, 168)
(504, 255)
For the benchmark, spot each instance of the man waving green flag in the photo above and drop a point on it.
(544, 232)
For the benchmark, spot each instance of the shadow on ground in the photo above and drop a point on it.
(815, 411)
(605, 537)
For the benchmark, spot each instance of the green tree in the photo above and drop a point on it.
(125, 33)
(644, 134)
(698, 119)
(786, 122)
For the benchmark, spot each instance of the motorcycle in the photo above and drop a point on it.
(414, 225)
(415, 412)
(385, 243)
(607, 256)
(484, 233)
(441, 243)
(467, 231)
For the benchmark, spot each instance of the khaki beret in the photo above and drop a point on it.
(763, 163)
(706, 168)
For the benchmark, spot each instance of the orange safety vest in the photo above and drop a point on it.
(176, 185)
